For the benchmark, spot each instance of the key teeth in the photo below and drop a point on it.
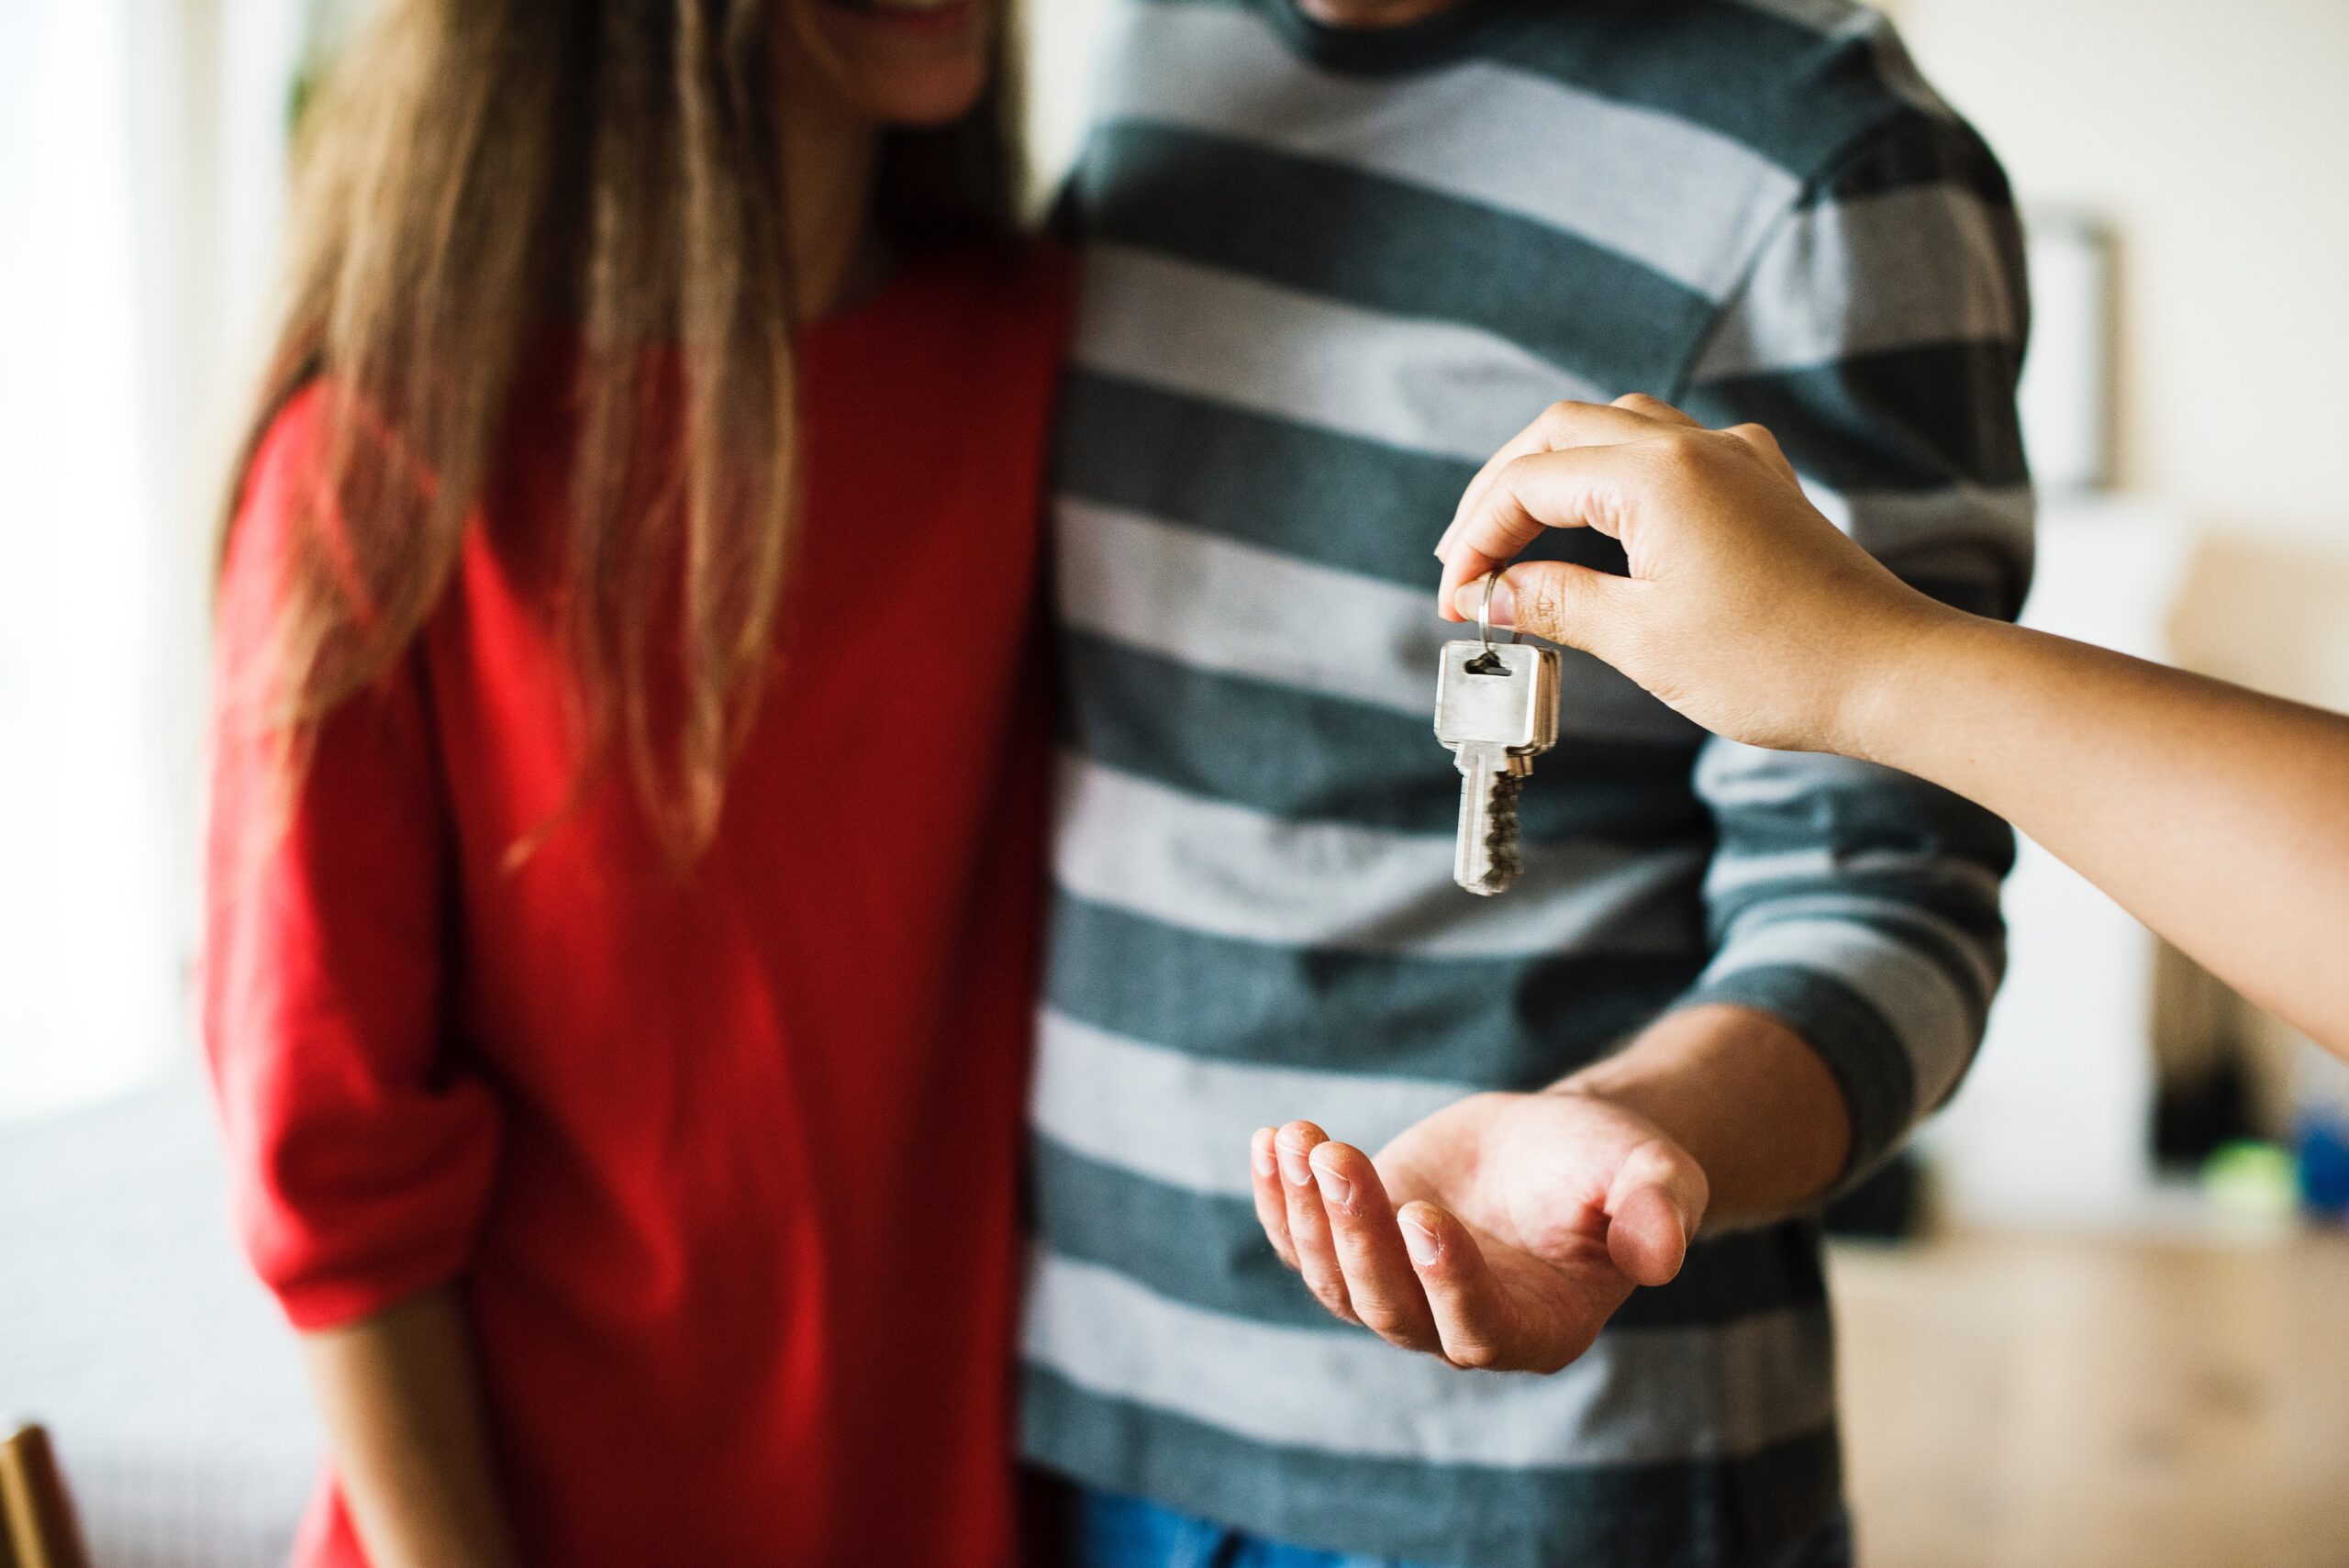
(1502, 861)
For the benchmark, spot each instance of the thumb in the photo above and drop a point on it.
(1652, 1211)
(1554, 599)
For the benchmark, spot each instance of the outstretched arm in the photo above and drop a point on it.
(2217, 815)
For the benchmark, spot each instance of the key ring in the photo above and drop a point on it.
(1484, 614)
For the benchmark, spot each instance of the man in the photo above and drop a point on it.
(1334, 257)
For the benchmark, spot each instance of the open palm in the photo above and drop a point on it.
(1502, 1231)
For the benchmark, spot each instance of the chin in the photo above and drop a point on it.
(909, 63)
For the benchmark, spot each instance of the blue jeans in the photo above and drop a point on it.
(1106, 1530)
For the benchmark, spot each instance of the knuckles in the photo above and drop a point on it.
(1493, 1358)
(1562, 413)
(1518, 471)
(1684, 454)
(1759, 439)
(1541, 608)
(1476, 1355)
(1339, 1308)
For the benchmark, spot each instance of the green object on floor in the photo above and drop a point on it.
(2250, 1177)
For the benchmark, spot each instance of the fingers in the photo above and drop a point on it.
(1272, 1204)
(1555, 599)
(1385, 1292)
(1327, 1213)
(1309, 1223)
(1653, 1208)
(1564, 425)
(1466, 1300)
(1571, 488)
(1579, 465)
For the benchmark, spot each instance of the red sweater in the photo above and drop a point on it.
(723, 1165)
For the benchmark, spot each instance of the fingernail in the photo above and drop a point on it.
(1334, 1187)
(1420, 1242)
(1294, 1167)
(1260, 1152)
(1469, 600)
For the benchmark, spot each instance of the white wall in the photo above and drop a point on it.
(2214, 137)
(89, 935)
(140, 182)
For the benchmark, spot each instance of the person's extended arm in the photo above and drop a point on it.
(2217, 815)
(411, 1449)
(1504, 1231)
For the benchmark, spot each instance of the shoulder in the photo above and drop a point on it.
(1805, 85)
(284, 460)
(332, 530)
(283, 494)
(287, 483)
(278, 545)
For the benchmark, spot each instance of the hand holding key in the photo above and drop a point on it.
(1501, 1232)
(1744, 608)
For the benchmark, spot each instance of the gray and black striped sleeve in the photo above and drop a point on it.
(1879, 335)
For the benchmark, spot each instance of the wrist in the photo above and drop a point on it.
(1893, 672)
(1741, 1093)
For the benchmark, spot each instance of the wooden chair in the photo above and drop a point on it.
(36, 1527)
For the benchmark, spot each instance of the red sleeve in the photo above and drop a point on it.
(361, 1156)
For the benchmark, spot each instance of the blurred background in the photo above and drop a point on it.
(2103, 1316)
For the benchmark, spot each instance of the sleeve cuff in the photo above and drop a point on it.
(330, 1301)
(1862, 1051)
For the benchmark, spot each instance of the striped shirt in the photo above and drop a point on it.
(1326, 274)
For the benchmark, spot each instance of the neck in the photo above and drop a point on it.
(828, 158)
(1374, 13)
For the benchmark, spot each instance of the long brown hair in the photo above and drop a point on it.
(473, 173)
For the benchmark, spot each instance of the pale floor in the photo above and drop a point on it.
(2066, 1403)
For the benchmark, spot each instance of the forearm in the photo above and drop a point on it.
(1744, 1094)
(404, 1415)
(2218, 817)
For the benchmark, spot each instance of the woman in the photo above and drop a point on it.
(623, 851)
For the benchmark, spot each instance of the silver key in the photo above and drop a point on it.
(1497, 707)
